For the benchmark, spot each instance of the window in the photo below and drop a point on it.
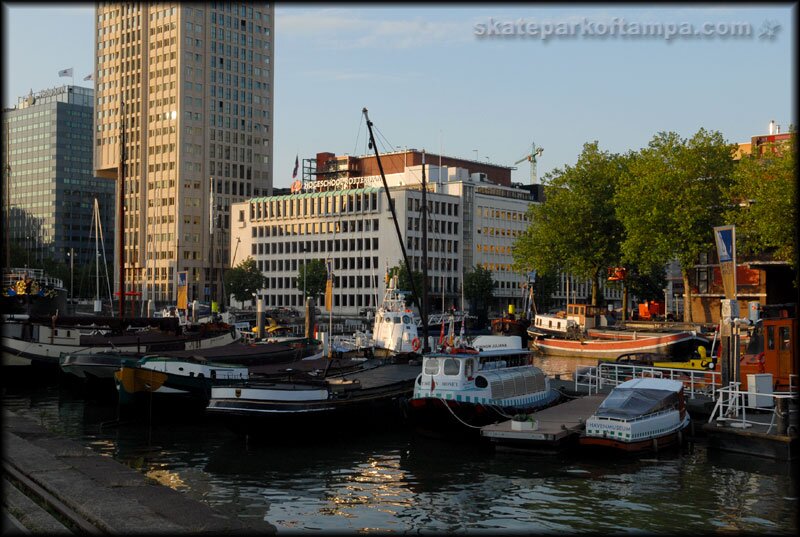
(451, 366)
(431, 366)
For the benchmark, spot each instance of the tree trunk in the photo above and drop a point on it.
(687, 297)
(624, 301)
(595, 287)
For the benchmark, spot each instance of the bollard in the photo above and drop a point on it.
(782, 416)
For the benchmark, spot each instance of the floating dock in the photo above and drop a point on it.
(557, 427)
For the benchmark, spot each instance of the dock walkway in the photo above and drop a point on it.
(90, 493)
(558, 427)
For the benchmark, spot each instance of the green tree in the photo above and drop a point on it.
(576, 229)
(478, 290)
(243, 280)
(404, 283)
(763, 192)
(315, 276)
(670, 200)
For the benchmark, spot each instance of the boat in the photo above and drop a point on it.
(189, 379)
(29, 291)
(465, 387)
(511, 324)
(578, 333)
(639, 415)
(372, 395)
(43, 340)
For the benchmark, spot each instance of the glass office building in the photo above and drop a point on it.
(50, 184)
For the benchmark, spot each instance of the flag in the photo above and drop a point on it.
(296, 165)
(329, 286)
(90, 76)
(182, 302)
(725, 237)
(65, 72)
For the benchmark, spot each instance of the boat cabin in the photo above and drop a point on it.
(586, 315)
(771, 350)
(463, 378)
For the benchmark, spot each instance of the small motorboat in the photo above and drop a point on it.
(639, 415)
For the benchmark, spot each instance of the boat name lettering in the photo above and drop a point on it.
(610, 426)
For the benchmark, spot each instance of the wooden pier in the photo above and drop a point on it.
(558, 427)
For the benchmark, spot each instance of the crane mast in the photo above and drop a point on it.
(532, 158)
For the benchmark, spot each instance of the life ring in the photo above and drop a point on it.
(416, 344)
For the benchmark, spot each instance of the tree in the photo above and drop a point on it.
(671, 198)
(576, 229)
(404, 283)
(315, 276)
(478, 290)
(243, 280)
(763, 192)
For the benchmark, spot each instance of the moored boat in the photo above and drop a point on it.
(461, 389)
(373, 395)
(639, 415)
(189, 378)
(42, 340)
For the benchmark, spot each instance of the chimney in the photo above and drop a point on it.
(772, 127)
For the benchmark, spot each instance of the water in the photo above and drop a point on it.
(396, 482)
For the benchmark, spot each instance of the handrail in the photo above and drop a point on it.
(695, 382)
(731, 407)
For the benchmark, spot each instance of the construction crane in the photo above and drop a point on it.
(535, 152)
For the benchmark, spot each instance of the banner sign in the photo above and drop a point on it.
(182, 285)
(329, 286)
(725, 237)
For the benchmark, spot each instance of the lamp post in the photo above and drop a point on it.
(71, 272)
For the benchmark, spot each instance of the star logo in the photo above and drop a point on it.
(769, 30)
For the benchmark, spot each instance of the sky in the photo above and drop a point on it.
(479, 81)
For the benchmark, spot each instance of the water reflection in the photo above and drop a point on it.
(394, 481)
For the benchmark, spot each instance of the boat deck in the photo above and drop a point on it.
(558, 426)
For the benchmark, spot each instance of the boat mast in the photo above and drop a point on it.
(8, 200)
(121, 211)
(374, 146)
(424, 309)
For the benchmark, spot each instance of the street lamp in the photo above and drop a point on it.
(71, 255)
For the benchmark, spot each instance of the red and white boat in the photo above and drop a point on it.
(643, 414)
(611, 346)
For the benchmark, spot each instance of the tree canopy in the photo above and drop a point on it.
(404, 283)
(312, 277)
(478, 290)
(670, 199)
(243, 280)
(576, 230)
(763, 191)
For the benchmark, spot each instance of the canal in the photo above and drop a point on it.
(394, 481)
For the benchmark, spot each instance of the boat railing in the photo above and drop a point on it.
(609, 374)
(13, 275)
(733, 405)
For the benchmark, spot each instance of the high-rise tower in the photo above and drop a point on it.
(193, 84)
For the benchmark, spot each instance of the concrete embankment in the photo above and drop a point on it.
(55, 485)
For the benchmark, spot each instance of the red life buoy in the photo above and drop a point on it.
(416, 344)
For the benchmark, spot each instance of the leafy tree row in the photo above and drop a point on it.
(646, 208)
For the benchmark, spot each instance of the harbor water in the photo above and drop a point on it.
(395, 481)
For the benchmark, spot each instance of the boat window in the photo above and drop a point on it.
(481, 382)
(406, 319)
(396, 320)
(771, 338)
(431, 366)
(451, 366)
(469, 367)
(387, 319)
(783, 337)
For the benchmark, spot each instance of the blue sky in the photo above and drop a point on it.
(431, 83)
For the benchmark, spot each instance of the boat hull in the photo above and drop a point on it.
(652, 444)
(272, 409)
(610, 349)
(436, 416)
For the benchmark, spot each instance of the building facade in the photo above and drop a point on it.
(339, 210)
(50, 181)
(191, 85)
